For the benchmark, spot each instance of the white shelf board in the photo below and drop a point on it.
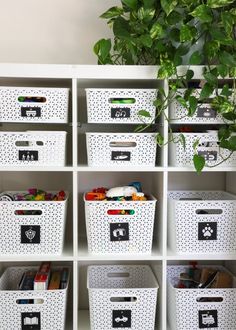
(119, 169)
(36, 168)
(200, 256)
(206, 169)
(83, 254)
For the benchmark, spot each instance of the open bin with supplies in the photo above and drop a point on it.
(23, 307)
(122, 297)
(201, 298)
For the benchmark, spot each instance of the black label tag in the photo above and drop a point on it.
(207, 231)
(28, 155)
(208, 155)
(120, 112)
(30, 321)
(208, 319)
(206, 112)
(30, 112)
(119, 232)
(121, 156)
(30, 234)
(121, 319)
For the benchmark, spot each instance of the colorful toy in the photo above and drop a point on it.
(34, 194)
(126, 191)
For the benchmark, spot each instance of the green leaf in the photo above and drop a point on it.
(112, 12)
(223, 70)
(157, 31)
(146, 40)
(203, 12)
(227, 59)
(182, 50)
(167, 69)
(187, 33)
(132, 4)
(174, 18)
(199, 163)
(219, 3)
(102, 50)
(181, 101)
(212, 48)
(206, 91)
(146, 15)
(193, 103)
(196, 58)
(195, 145)
(211, 78)
(182, 140)
(226, 91)
(221, 36)
(174, 35)
(223, 133)
(168, 5)
(229, 116)
(232, 143)
(149, 3)
(121, 28)
(189, 75)
(144, 113)
(159, 140)
(228, 22)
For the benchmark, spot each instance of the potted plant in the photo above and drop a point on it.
(171, 33)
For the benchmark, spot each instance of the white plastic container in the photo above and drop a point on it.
(207, 146)
(122, 297)
(187, 312)
(34, 104)
(33, 148)
(121, 149)
(204, 114)
(105, 106)
(107, 233)
(202, 222)
(49, 314)
(40, 234)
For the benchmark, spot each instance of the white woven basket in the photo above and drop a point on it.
(100, 108)
(204, 114)
(120, 233)
(33, 148)
(186, 312)
(121, 149)
(207, 147)
(41, 234)
(122, 297)
(50, 107)
(202, 222)
(50, 314)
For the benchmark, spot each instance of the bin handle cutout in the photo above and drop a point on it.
(30, 301)
(122, 144)
(28, 143)
(123, 299)
(27, 212)
(32, 99)
(118, 275)
(209, 299)
(121, 100)
(208, 211)
(120, 212)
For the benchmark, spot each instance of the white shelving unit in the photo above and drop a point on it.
(77, 178)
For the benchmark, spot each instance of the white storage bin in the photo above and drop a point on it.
(207, 147)
(121, 149)
(204, 114)
(49, 314)
(122, 297)
(32, 148)
(186, 312)
(116, 234)
(34, 104)
(202, 222)
(41, 234)
(103, 105)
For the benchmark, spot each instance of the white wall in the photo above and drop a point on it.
(51, 31)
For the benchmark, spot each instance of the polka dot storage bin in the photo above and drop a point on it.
(204, 114)
(120, 105)
(202, 222)
(32, 227)
(193, 309)
(48, 314)
(34, 105)
(32, 148)
(122, 297)
(121, 149)
(207, 146)
(109, 233)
